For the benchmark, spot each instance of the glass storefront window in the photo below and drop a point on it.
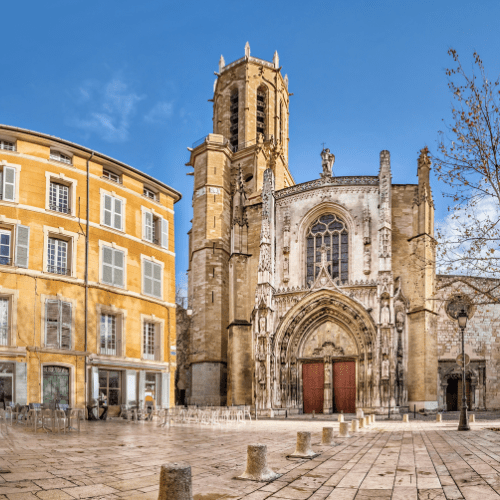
(110, 386)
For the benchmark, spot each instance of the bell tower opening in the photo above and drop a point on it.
(234, 105)
(261, 111)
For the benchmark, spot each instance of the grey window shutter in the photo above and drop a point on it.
(118, 267)
(164, 233)
(52, 323)
(107, 209)
(158, 352)
(148, 226)
(157, 280)
(65, 325)
(117, 224)
(148, 277)
(107, 265)
(9, 183)
(165, 390)
(22, 246)
(131, 387)
(21, 384)
(119, 333)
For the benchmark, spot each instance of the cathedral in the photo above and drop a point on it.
(306, 297)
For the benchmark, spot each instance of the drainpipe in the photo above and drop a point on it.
(87, 276)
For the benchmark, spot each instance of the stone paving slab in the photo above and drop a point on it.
(118, 460)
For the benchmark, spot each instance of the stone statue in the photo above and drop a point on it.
(385, 313)
(400, 321)
(327, 161)
(262, 324)
(262, 373)
(385, 368)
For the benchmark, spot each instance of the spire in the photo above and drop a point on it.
(276, 60)
(424, 166)
(286, 81)
(222, 63)
(247, 50)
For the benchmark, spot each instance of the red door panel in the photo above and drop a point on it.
(313, 377)
(344, 386)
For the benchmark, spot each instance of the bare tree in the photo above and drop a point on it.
(468, 162)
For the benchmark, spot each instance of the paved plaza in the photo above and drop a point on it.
(111, 460)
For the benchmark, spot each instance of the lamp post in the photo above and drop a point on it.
(463, 424)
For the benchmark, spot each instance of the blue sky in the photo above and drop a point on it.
(132, 79)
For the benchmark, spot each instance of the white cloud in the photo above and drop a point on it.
(160, 112)
(110, 109)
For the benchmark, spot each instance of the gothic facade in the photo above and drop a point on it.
(314, 296)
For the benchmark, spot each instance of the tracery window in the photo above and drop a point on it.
(261, 111)
(330, 230)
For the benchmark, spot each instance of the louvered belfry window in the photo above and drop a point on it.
(331, 231)
(234, 104)
(261, 111)
(58, 324)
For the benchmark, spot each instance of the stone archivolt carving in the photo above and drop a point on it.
(328, 349)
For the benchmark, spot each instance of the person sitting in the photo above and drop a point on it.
(103, 403)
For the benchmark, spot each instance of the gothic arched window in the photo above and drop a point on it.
(261, 111)
(234, 120)
(329, 230)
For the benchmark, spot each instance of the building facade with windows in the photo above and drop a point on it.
(66, 334)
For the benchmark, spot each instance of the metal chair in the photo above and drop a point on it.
(61, 420)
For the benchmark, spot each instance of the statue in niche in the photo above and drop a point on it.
(262, 323)
(367, 260)
(328, 372)
(400, 321)
(362, 372)
(385, 313)
(262, 373)
(385, 368)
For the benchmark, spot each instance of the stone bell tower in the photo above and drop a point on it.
(250, 119)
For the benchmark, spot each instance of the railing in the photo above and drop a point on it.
(60, 208)
(4, 335)
(62, 159)
(5, 261)
(118, 180)
(8, 146)
(199, 142)
(58, 270)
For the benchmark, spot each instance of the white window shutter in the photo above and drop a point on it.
(148, 277)
(107, 265)
(9, 183)
(164, 233)
(22, 246)
(157, 280)
(108, 208)
(118, 267)
(148, 226)
(65, 325)
(118, 214)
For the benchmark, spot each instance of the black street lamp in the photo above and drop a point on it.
(463, 424)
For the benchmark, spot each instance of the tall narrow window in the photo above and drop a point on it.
(281, 123)
(113, 212)
(331, 231)
(113, 266)
(7, 183)
(149, 341)
(57, 257)
(152, 278)
(261, 111)
(4, 321)
(58, 324)
(108, 334)
(234, 120)
(59, 198)
(5, 247)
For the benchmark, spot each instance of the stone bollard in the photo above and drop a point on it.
(367, 421)
(327, 436)
(344, 429)
(439, 417)
(361, 423)
(405, 418)
(175, 482)
(303, 448)
(373, 417)
(359, 413)
(472, 418)
(341, 418)
(257, 468)
(354, 425)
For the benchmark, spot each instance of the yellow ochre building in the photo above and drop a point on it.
(70, 334)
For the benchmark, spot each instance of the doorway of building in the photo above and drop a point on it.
(6, 378)
(313, 378)
(344, 387)
(55, 384)
(454, 394)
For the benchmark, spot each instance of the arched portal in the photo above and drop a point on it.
(325, 340)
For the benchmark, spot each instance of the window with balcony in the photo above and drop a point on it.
(59, 198)
(7, 145)
(152, 279)
(112, 213)
(4, 321)
(58, 156)
(150, 345)
(7, 183)
(111, 176)
(113, 266)
(58, 257)
(58, 324)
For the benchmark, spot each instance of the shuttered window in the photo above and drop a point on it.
(113, 266)
(8, 183)
(58, 324)
(148, 226)
(155, 229)
(5, 244)
(164, 233)
(22, 246)
(152, 278)
(4, 321)
(112, 212)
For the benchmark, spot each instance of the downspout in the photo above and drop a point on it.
(87, 276)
